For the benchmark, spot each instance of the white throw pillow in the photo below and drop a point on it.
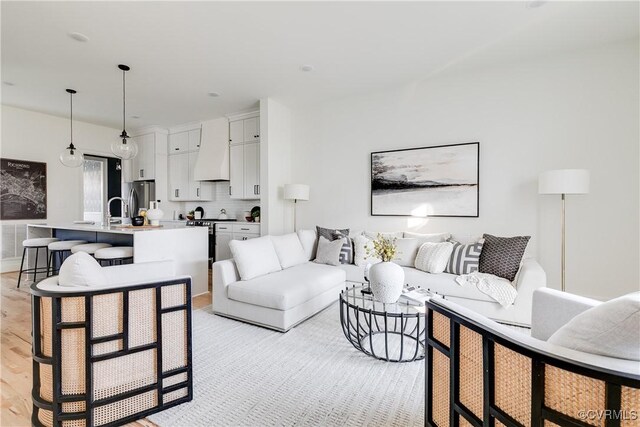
(433, 257)
(329, 251)
(386, 234)
(360, 245)
(289, 250)
(309, 242)
(81, 269)
(407, 251)
(254, 257)
(609, 329)
(433, 237)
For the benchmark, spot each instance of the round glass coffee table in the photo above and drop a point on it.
(390, 332)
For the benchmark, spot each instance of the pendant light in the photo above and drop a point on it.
(71, 156)
(124, 147)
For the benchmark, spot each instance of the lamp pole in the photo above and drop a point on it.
(563, 244)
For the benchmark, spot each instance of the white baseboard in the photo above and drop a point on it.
(9, 264)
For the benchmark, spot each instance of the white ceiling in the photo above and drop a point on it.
(180, 51)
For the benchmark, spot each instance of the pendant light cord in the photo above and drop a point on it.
(71, 117)
(124, 105)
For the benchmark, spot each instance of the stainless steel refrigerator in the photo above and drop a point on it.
(141, 193)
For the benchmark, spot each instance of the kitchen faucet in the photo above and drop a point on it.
(124, 212)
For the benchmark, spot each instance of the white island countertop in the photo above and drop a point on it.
(99, 228)
(187, 247)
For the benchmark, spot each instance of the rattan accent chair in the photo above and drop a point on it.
(110, 355)
(480, 373)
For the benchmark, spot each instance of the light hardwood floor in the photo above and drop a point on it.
(15, 351)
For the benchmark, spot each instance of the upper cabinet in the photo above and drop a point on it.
(244, 164)
(244, 130)
(143, 165)
(184, 149)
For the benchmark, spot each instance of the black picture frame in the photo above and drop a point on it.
(23, 189)
(373, 185)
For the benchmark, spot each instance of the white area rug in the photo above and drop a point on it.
(311, 376)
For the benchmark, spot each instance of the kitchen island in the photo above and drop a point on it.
(186, 246)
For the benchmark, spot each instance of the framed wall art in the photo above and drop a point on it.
(23, 189)
(441, 180)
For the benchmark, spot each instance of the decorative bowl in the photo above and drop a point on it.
(137, 221)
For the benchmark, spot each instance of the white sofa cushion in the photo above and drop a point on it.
(329, 251)
(287, 288)
(309, 242)
(81, 269)
(289, 250)
(386, 234)
(407, 251)
(433, 257)
(360, 245)
(609, 329)
(432, 237)
(254, 257)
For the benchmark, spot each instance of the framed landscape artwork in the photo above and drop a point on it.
(441, 180)
(23, 189)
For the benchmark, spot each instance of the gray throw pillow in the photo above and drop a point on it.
(465, 259)
(346, 254)
(501, 256)
(328, 251)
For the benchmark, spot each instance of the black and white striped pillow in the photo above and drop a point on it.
(464, 259)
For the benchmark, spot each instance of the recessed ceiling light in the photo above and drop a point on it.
(306, 68)
(135, 117)
(79, 37)
(6, 83)
(214, 94)
(534, 4)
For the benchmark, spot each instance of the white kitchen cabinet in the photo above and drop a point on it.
(251, 129)
(236, 171)
(198, 190)
(194, 140)
(179, 142)
(143, 164)
(222, 245)
(244, 171)
(179, 177)
(251, 157)
(236, 132)
(225, 233)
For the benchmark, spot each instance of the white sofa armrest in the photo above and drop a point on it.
(224, 273)
(552, 309)
(530, 277)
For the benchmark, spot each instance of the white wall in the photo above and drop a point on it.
(577, 110)
(27, 135)
(275, 166)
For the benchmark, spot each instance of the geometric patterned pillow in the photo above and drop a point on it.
(465, 259)
(501, 256)
(346, 254)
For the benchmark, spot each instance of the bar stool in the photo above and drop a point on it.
(116, 253)
(89, 248)
(37, 244)
(58, 249)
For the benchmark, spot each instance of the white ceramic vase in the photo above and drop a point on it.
(154, 214)
(387, 281)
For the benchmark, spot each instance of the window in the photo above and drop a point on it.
(95, 188)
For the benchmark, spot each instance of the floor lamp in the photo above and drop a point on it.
(296, 192)
(563, 182)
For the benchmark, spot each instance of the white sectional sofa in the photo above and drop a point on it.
(282, 299)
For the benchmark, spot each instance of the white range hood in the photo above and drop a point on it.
(212, 163)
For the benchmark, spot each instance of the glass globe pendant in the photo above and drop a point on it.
(124, 147)
(71, 156)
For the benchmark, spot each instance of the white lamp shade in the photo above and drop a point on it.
(564, 181)
(296, 192)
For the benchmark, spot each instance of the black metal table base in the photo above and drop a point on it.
(392, 336)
